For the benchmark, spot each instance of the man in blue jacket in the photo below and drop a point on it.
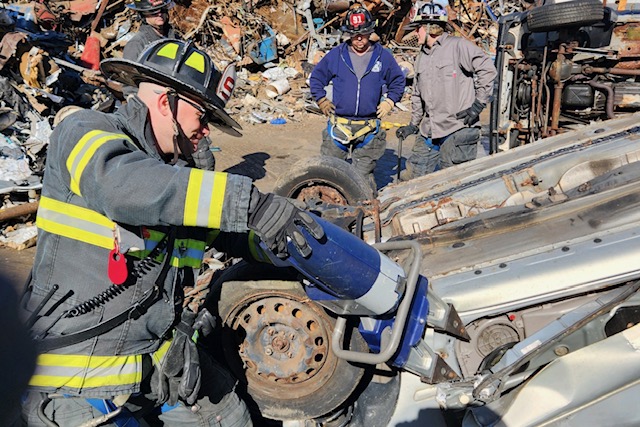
(360, 70)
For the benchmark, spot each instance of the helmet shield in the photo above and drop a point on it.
(358, 21)
(179, 65)
(146, 6)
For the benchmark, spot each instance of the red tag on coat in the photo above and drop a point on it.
(117, 269)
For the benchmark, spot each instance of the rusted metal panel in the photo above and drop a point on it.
(626, 40)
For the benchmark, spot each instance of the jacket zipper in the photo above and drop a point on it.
(354, 73)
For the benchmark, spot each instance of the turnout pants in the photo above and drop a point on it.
(217, 405)
(429, 155)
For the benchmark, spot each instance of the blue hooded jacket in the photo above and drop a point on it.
(357, 99)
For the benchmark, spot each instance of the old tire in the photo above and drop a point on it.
(558, 15)
(279, 340)
(324, 179)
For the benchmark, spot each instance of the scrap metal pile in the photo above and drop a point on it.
(45, 74)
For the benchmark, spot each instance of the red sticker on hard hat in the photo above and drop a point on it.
(357, 19)
(117, 267)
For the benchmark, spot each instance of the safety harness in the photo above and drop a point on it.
(341, 131)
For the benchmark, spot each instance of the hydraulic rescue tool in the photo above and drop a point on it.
(351, 278)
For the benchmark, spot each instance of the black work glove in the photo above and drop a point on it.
(470, 115)
(276, 219)
(203, 157)
(404, 131)
(178, 376)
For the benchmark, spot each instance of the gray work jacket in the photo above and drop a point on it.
(449, 77)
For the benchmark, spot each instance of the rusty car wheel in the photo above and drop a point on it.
(324, 179)
(280, 342)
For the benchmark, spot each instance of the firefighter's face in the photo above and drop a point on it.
(157, 18)
(360, 42)
(429, 33)
(193, 119)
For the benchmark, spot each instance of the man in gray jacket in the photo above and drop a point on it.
(453, 84)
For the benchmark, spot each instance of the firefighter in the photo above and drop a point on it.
(155, 26)
(359, 70)
(123, 226)
(453, 84)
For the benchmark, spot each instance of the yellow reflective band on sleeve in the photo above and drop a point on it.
(75, 222)
(83, 372)
(169, 50)
(205, 197)
(196, 61)
(82, 153)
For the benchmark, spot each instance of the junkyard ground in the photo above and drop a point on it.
(265, 152)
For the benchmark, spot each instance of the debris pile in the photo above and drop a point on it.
(46, 71)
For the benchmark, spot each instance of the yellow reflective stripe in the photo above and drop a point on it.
(81, 371)
(75, 222)
(196, 61)
(82, 153)
(205, 197)
(186, 262)
(169, 50)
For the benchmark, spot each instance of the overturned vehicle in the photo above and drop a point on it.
(500, 292)
(561, 65)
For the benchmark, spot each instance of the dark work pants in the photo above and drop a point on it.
(364, 159)
(459, 147)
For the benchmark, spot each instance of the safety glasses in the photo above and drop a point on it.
(205, 116)
(155, 13)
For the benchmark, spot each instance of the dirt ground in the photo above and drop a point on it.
(266, 152)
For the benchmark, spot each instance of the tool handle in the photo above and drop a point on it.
(96, 20)
(400, 141)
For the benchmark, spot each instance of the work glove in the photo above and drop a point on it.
(276, 220)
(203, 157)
(384, 108)
(178, 377)
(326, 106)
(470, 115)
(404, 131)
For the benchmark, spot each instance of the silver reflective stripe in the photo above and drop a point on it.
(382, 296)
(75, 222)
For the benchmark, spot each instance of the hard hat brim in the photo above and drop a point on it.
(355, 33)
(414, 25)
(168, 5)
(131, 73)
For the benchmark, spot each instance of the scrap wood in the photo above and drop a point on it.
(18, 211)
(203, 19)
(305, 36)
